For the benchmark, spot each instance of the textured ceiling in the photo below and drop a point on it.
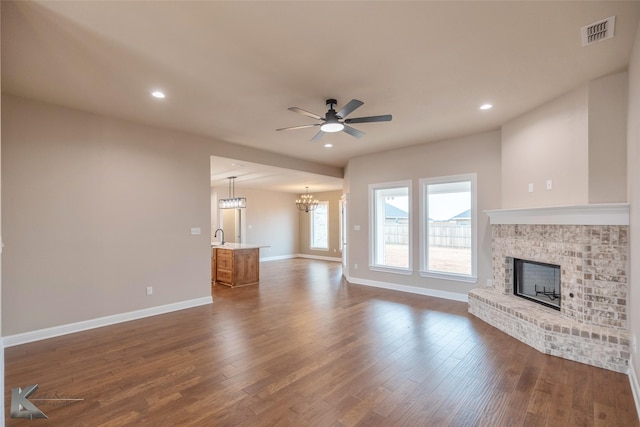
(231, 69)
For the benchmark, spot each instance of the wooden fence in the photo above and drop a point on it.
(448, 235)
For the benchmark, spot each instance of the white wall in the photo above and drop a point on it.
(578, 141)
(94, 211)
(97, 209)
(633, 183)
(550, 142)
(474, 154)
(271, 218)
(608, 139)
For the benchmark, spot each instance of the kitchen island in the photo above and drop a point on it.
(235, 264)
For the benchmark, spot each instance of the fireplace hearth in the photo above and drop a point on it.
(583, 318)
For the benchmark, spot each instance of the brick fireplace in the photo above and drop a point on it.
(590, 245)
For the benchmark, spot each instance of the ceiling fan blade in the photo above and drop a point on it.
(305, 113)
(300, 127)
(317, 136)
(348, 109)
(353, 132)
(385, 118)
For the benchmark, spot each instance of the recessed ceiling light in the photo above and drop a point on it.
(486, 106)
(328, 145)
(158, 94)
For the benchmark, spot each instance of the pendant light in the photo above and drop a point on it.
(232, 202)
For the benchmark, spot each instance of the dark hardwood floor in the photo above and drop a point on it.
(306, 349)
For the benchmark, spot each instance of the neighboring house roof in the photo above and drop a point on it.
(391, 211)
(464, 215)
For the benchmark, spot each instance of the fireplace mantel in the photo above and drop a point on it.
(595, 214)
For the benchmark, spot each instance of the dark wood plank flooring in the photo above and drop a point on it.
(306, 349)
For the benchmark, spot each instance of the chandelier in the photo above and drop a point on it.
(306, 202)
(232, 202)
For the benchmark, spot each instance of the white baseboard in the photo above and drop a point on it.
(322, 258)
(411, 289)
(635, 389)
(70, 328)
(279, 257)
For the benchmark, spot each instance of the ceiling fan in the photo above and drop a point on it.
(336, 121)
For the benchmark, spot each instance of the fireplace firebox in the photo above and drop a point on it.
(537, 281)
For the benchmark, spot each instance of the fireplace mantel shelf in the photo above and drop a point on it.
(595, 214)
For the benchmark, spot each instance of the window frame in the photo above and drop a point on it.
(424, 228)
(312, 228)
(373, 242)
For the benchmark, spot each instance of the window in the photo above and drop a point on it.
(448, 227)
(390, 227)
(320, 226)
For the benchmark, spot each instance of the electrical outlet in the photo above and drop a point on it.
(149, 290)
(355, 266)
(530, 188)
(549, 184)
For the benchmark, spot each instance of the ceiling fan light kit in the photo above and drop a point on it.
(332, 127)
(336, 121)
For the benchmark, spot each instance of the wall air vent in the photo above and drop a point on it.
(598, 31)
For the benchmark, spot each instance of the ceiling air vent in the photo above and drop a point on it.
(598, 31)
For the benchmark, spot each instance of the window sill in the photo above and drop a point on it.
(394, 270)
(449, 276)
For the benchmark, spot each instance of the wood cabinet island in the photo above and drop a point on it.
(235, 264)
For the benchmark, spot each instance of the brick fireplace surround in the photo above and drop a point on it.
(590, 244)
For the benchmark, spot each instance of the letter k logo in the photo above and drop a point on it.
(20, 405)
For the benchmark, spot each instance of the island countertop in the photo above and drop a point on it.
(234, 246)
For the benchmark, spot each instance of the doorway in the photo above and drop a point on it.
(232, 222)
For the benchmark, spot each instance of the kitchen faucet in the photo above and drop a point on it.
(216, 235)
